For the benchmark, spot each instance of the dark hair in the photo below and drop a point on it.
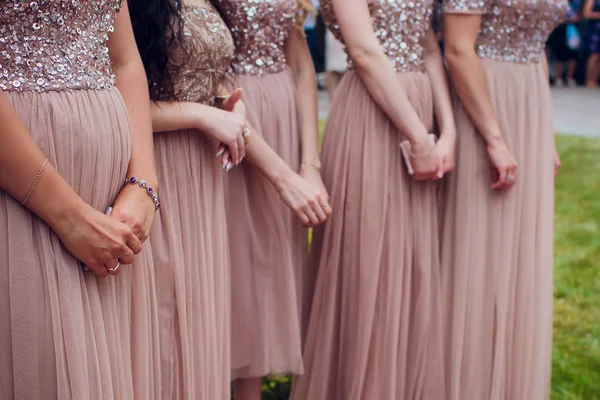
(157, 26)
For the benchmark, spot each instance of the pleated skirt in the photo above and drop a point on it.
(268, 243)
(191, 260)
(374, 330)
(65, 334)
(497, 248)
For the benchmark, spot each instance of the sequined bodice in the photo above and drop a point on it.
(198, 64)
(398, 24)
(512, 30)
(55, 44)
(259, 29)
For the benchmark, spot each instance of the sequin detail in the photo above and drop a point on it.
(399, 26)
(260, 29)
(199, 63)
(513, 30)
(56, 44)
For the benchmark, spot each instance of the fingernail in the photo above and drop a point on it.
(220, 153)
(108, 211)
(229, 166)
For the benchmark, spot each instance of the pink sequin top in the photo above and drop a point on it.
(512, 30)
(259, 29)
(56, 44)
(198, 64)
(400, 25)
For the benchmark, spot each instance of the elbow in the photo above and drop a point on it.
(362, 57)
(458, 54)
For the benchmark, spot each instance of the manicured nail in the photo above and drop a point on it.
(220, 153)
(229, 166)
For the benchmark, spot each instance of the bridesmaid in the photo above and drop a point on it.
(272, 64)
(67, 146)
(375, 323)
(186, 49)
(498, 231)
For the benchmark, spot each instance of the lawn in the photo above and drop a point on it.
(576, 356)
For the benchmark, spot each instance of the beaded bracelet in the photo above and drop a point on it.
(144, 185)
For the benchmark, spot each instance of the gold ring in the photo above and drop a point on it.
(246, 135)
(114, 269)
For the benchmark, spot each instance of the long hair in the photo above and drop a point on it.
(305, 8)
(157, 26)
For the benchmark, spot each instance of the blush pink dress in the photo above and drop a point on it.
(497, 248)
(268, 244)
(375, 324)
(65, 334)
(190, 237)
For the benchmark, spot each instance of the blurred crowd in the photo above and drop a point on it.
(573, 49)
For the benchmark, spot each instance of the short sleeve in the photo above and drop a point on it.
(467, 6)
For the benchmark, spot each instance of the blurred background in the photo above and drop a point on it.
(573, 52)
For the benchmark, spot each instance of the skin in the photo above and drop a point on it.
(380, 80)
(93, 238)
(434, 66)
(464, 65)
(305, 78)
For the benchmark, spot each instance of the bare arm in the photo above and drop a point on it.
(588, 10)
(434, 66)
(375, 69)
(53, 199)
(460, 32)
(131, 82)
(300, 62)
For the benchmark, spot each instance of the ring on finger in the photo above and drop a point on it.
(246, 135)
(115, 268)
(510, 178)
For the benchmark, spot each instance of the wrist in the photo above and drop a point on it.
(314, 164)
(279, 175)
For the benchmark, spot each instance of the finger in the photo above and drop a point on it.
(242, 148)
(133, 243)
(234, 149)
(225, 158)
(127, 258)
(320, 213)
(221, 149)
(326, 206)
(312, 216)
(113, 268)
(500, 184)
(302, 216)
(98, 270)
(230, 102)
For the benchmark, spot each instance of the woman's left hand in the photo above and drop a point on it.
(135, 208)
(313, 175)
(446, 148)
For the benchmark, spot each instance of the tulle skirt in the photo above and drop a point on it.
(374, 330)
(497, 247)
(268, 244)
(192, 268)
(65, 334)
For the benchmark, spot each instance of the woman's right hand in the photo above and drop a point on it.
(425, 160)
(97, 240)
(304, 199)
(227, 128)
(504, 166)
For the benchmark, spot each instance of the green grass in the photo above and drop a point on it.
(576, 355)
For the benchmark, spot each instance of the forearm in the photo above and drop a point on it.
(170, 116)
(20, 163)
(131, 82)
(470, 84)
(381, 81)
(434, 66)
(266, 160)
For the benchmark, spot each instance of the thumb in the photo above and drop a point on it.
(231, 101)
